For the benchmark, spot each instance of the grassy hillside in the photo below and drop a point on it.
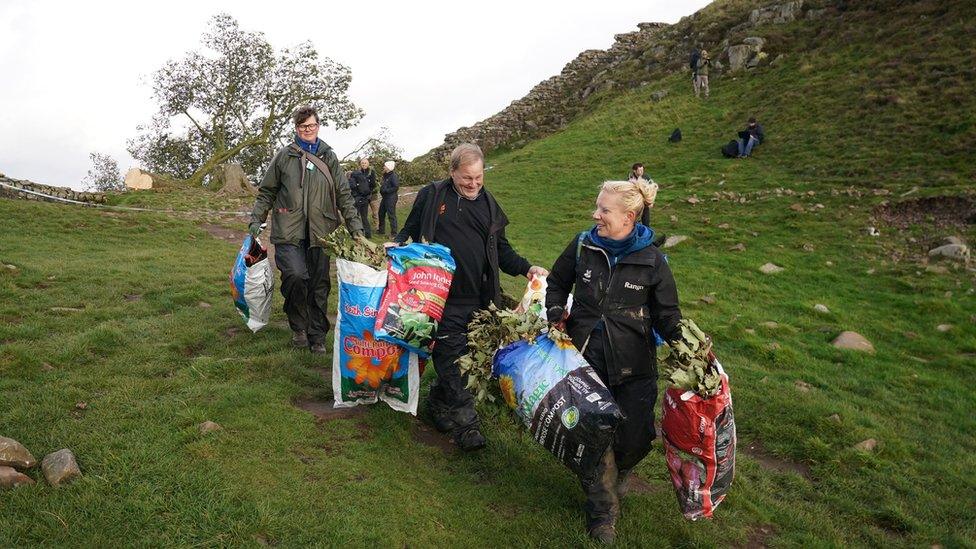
(130, 314)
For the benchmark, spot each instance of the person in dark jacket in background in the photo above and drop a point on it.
(622, 289)
(750, 137)
(389, 190)
(461, 214)
(362, 182)
(637, 172)
(306, 204)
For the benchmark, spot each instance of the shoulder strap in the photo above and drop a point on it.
(324, 168)
(579, 245)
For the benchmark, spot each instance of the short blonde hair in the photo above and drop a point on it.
(634, 195)
(464, 154)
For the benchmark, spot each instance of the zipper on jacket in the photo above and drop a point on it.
(603, 316)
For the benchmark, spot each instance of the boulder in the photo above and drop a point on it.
(60, 467)
(12, 478)
(136, 179)
(821, 308)
(853, 341)
(740, 247)
(754, 41)
(674, 240)
(770, 268)
(739, 55)
(776, 13)
(659, 95)
(14, 454)
(953, 251)
(944, 328)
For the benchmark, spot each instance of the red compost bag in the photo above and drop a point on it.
(699, 444)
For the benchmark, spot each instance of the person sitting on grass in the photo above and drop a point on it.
(750, 137)
(622, 289)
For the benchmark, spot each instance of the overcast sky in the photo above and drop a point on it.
(76, 75)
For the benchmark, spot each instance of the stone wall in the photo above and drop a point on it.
(59, 192)
(635, 59)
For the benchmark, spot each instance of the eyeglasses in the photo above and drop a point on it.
(307, 127)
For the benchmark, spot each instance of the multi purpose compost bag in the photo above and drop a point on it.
(699, 444)
(252, 283)
(560, 399)
(419, 279)
(364, 368)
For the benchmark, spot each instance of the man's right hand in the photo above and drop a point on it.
(254, 229)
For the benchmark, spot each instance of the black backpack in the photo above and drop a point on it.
(693, 60)
(731, 149)
(675, 135)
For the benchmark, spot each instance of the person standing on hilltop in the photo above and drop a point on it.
(693, 64)
(701, 78)
(308, 197)
(389, 190)
(623, 292)
(461, 214)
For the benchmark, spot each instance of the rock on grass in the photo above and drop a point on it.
(13, 454)
(866, 445)
(60, 467)
(209, 427)
(853, 341)
(770, 268)
(12, 478)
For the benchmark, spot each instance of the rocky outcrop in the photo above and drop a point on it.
(28, 190)
(634, 60)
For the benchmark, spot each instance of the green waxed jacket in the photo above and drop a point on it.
(296, 207)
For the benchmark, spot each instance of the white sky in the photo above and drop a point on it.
(76, 75)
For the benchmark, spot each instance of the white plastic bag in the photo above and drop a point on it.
(252, 283)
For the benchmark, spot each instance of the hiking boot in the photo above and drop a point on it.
(470, 440)
(299, 338)
(604, 533)
(317, 348)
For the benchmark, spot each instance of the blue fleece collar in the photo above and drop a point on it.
(641, 237)
(311, 148)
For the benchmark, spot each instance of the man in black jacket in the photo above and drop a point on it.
(461, 214)
(750, 137)
(362, 182)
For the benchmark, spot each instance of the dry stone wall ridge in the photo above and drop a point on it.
(23, 189)
(634, 59)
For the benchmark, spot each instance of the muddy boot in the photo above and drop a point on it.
(602, 505)
(299, 339)
(317, 348)
(470, 439)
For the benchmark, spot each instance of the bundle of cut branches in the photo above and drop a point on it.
(489, 330)
(340, 243)
(689, 364)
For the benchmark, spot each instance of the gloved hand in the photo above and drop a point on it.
(556, 316)
(254, 229)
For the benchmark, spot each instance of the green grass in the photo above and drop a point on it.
(153, 367)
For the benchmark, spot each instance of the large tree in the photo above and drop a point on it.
(232, 101)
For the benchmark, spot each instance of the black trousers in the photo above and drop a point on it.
(388, 208)
(305, 285)
(636, 398)
(363, 209)
(450, 403)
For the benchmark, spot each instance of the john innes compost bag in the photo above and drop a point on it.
(365, 369)
(419, 280)
(252, 283)
(559, 398)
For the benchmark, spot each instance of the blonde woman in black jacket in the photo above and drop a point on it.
(623, 291)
